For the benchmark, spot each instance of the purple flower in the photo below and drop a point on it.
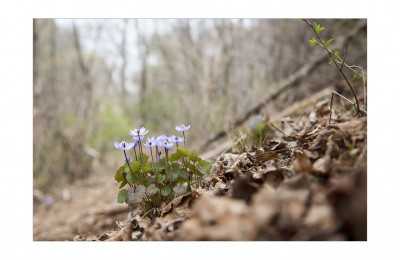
(128, 159)
(48, 201)
(124, 146)
(182, 128)
(150, 142)
(138, 138)
(258, 117)
(175, 139)
(139, 132)
(252, 124)
(166, 144)
(159, 153)
(162, 138)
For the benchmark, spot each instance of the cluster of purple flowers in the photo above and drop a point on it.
(161, 141)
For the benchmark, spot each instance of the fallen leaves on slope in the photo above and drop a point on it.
(307, 183)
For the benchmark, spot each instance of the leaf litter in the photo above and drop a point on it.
(307, 182)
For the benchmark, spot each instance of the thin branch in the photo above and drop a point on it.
(330, 108)
(337, 65)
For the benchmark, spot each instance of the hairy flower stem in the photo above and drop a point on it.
(152, 160)
(166, 155)
(140, 151)
(184, 138)
(134, 149)
(130, 185)
(126, 159)
(157, 155)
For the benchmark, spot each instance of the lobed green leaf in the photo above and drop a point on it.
(117, 175)
(203, 166)
(161, 165)
(152, 190)
(122, 195)
(174, 157)
(129, 178)
(180, 190)
(135, 195)
(183, 151)
(166, 190)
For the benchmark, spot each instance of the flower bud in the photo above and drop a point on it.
(123, 174)
(128, 159)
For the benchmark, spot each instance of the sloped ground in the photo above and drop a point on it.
(307, 182)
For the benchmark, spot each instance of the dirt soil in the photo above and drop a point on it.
(87, 208)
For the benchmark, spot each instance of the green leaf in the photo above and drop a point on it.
(135, 166)
(174, 157)
(203, 166)
(165, 190)
(152, 190)
(330, 61)
(150, 180)
(328, 42)
(161, 178)
(193, 155)
(122, 194)
(313, 41)
(123, 183)
(161, 165)
(321, 29)
(355, 75)
(129, 178)
(145, 158)
(172, 172)
(183, 151)
(183, 174)
(135, 195)
(336, 53)
(145, 168)
(316, 25)
(117, 175)
(127, 169)
(180, 190)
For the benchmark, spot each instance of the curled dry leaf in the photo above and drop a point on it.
(302, 164)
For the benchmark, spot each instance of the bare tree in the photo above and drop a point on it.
(143, 48)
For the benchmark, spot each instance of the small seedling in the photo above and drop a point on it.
(340, 64)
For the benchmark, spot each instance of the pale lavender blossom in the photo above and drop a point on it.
(166, 144)
(139, 132)
(162, 138)
(138, 138)
(176, 139)
(124, 146)
(150, 142)
(182, 128)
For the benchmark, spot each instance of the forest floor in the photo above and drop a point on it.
(307, 181)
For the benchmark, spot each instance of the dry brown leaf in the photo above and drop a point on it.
(302, 164)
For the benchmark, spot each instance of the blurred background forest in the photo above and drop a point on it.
(94, 80)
